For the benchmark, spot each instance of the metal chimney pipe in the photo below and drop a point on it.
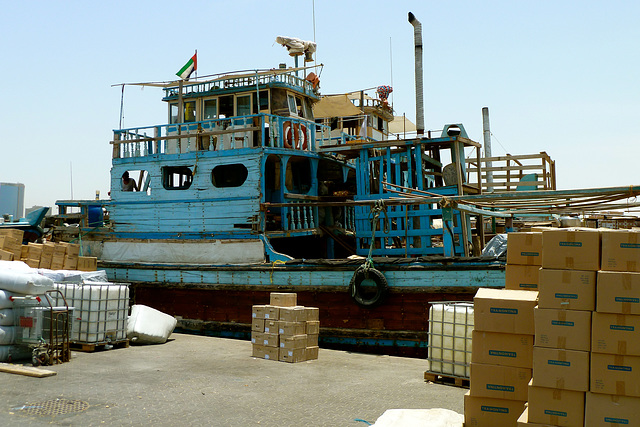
(486, 132)
(417, 36)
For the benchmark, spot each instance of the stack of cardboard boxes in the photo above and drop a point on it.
(501, 358)
(561, 356)
(53, 256)
(284, 330)
(524, 257)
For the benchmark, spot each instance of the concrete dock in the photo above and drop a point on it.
(204, 381)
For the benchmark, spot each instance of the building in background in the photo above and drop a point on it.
(11, 200)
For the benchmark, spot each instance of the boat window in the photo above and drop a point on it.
(177, 177)
(264, 102)
(190, 111)
(225, 105)
(135, 180)
(210, 109)
(298, 175)
(173, 113)
(243, 105)
(233, 175)
(292, 104)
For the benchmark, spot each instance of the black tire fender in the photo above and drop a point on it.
(356, 291)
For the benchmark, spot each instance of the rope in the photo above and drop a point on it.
(374, 215)
(273, 266)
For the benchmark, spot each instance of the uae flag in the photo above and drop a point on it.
(189, 67)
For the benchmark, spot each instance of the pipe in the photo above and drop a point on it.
(486, 132)
(417, 35)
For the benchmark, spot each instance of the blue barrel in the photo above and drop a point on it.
(95, 215)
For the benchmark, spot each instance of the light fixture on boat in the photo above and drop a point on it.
(453, 130)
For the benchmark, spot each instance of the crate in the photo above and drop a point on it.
(450, 328)
(101, 311)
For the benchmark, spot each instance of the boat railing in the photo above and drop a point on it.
(300, 213)
(258, 130)
(515, 173)
(241, 81)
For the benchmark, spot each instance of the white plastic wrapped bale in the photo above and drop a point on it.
(100, 311)
(7, 335)
(5, 301)
(436, 417)
(149, 326)
(72, 276)
(23, 282)
(10, 353)
(450, 330)
(6, 317)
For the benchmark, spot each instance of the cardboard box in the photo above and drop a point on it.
(312, 340)
(312, 327)
(293, 355)
(500, 382)
(311, 353)
(24, 252)
(615, 374)
(57, 262)
(567, 329)
(605, 410)
(616, 334)
(561, 369)
(618, 292)
(291, 328)
(524, 248)
(293, 314)
(522, 277)
(523, 421)
(265, 312)
(571, 249)
(293, 342)
(487, 411)
(6, 255)
(567, 289)
(11, 244)
(33, 263)
(70, 262)
(34, 251)
(271, 353)
(47, 255)
(87, 263)
(504, 310)
(556, 407)
(13, 233)
(620, 250)
(284, 299)
(257, 325)
(72, 249)
(495, 348)
(271, 326)
(313, 314)
(265, 339)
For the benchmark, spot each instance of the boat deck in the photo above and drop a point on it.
(203, 381)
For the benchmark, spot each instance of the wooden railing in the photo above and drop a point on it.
(514, 173)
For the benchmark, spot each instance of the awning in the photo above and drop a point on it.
(335, 106)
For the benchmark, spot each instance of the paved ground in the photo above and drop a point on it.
(203, 381)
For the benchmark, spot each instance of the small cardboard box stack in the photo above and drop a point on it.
(614, 396)
(561, 355)
(10, 244)
(55, 256)
(524, 258)
(501, 358)
(284, 330)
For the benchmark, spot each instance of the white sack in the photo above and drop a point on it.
(24, 283)
(7, 335)
(5, 302)
(15, 266)
(149, 326)
(6, 317)
(9, 353)
(437, 417)
(72, 276)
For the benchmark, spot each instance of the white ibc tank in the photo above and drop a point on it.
(101, 311)
(450, 328)
(10, 353)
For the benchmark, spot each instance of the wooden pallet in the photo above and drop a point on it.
(445, 379)
(91, 347)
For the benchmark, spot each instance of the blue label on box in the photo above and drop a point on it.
(500, 310)
(501, 353)
(555, 413)
(616, 420)
(630, 245)
(627, 299)
(529, 253)
(622, 328)
(559, 362)
(567, 296)
(485, 408)
(619, 368)
(561, 323)
(498, 387)
(572, 244)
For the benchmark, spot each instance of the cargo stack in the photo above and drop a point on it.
(285, 331)
(524, 258)
(614, 395)
(11, 244)
(561, 355)
(501, 359)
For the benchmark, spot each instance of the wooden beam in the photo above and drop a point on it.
(29, 371)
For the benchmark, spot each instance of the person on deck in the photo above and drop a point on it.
(128, 184)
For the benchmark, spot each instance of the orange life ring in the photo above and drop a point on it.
(294, 135)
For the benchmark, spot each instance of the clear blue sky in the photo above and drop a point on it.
(557, 76)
